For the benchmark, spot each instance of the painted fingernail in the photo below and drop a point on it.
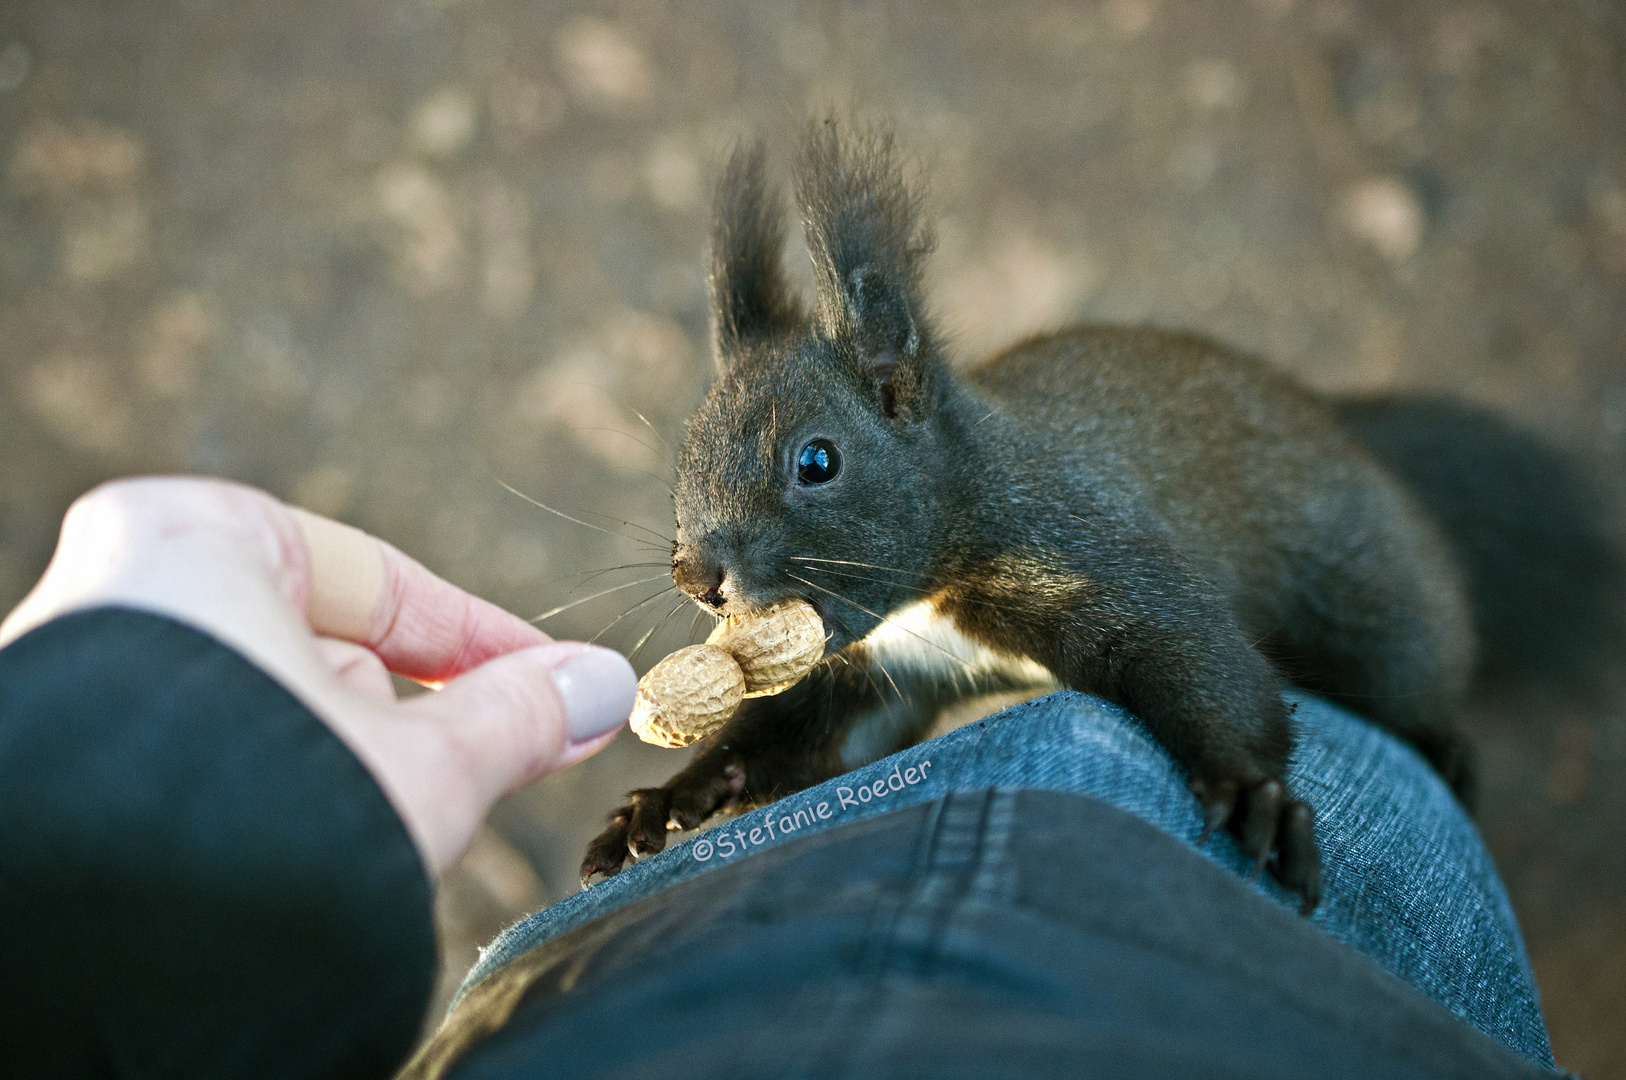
(596, 688)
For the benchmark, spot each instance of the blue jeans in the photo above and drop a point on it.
(1406, 879)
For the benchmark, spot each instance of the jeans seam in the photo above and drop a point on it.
(958, 858)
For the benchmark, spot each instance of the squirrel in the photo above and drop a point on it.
(1140, 514)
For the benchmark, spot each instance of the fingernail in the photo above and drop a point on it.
(596, 688)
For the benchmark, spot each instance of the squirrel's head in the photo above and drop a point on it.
(813, 468)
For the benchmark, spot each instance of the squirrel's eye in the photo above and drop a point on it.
(818, 462)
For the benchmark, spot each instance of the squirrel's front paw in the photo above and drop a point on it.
(1272, 829)
(638, 827)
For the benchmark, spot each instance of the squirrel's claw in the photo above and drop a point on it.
(637, 828)
(1274, 831)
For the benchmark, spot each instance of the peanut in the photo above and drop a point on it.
(687, 696)
(692, 692)
(775, 647)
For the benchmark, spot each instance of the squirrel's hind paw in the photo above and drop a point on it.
(1273, 830)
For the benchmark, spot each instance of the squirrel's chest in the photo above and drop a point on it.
(920, 663)
(923, 642)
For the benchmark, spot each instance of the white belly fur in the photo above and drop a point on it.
(917, 638)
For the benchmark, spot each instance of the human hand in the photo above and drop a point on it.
(329, 611)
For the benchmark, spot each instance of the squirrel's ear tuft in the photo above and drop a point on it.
(862, 217)
(751, 300)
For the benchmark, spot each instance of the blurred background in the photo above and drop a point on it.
(383, 257)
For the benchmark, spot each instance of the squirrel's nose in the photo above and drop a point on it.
(700, 577)
(713, 596)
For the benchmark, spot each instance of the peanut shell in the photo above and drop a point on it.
(775, 647)
(687, 696)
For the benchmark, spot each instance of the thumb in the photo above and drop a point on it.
(514, 719)
(514, 716)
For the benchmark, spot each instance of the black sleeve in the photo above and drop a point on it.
(197, 878)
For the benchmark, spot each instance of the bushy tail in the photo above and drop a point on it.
(1532, 526)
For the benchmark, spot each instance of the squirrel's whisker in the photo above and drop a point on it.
(889, 679)
(671, 451)
(1266, 634)
(645, 472)
(666, 459)
(869, 677)
(901, 585)
(512, 490)
(591, 574)
(623, 434)
(576, 603)
(662, 537)
(866, 671)
(613, 622)
(892, 622)
(651, 631)
(849, 562)
(865, 577)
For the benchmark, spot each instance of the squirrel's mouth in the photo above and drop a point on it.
(821, 604)
(817, 604)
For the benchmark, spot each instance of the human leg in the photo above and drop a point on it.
(1407, 880)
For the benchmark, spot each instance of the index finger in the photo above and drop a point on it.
(364, 590)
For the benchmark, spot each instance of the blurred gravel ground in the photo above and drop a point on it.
(378, 256)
